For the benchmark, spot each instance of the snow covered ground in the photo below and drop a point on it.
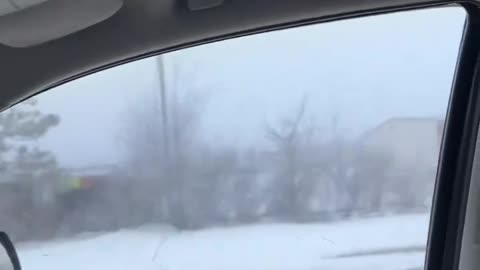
(393, 243)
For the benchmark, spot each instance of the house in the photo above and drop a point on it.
(411, 147)
(412, 142)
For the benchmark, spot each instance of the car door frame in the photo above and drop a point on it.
(457, 152)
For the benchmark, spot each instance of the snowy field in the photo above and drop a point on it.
(393, 243)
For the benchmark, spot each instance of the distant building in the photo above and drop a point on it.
(412, 147)
(412, 142)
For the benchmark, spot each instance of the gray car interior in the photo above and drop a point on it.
(50, 42)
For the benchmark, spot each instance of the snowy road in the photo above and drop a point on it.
(393, 243)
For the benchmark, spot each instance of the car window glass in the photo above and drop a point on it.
(314, 147)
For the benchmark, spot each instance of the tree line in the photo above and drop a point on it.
(295, 174)
(172, 175)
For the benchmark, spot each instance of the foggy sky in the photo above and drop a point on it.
(360, 72)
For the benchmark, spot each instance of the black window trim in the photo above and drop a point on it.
(456, 156)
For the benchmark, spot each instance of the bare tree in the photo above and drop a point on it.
(287, 139)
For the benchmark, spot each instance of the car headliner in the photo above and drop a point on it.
(146, 27)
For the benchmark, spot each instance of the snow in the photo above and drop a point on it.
(394, 242)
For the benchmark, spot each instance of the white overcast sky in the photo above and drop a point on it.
(361, 71)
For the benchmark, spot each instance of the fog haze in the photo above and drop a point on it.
(348, 71)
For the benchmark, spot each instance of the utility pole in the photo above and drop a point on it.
(164, 109)
(165, 133)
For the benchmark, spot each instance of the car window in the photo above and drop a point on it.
(313, 147)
